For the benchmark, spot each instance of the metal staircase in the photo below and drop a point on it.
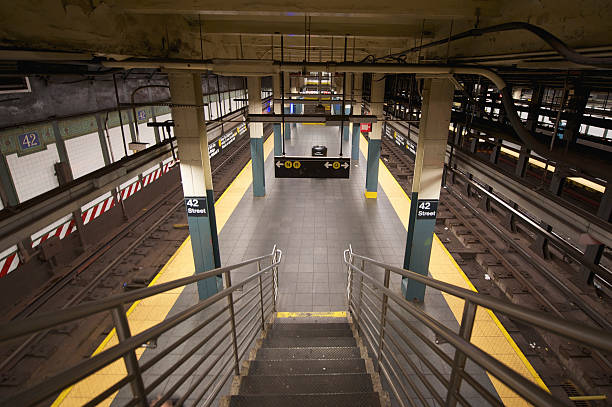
(307, 364)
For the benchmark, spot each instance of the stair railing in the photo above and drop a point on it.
(228, 330)
(393, 330)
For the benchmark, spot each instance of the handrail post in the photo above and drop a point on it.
(465, 331)
(131, 361)
(383, 318)
(274, 280)
(349, 287)
(360, 292)
(261, 297)
(230, 303)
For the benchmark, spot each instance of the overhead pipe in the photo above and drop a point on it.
(593, 166)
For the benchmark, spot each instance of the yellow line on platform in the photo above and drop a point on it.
(144, 314)
(489, 334)
(331, 314)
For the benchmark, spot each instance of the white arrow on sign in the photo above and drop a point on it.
(345, 165)
(327, 165)
(279, 164)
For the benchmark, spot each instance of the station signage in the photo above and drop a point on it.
(196, 206)
(365, 127)
(404, 142)
(311, 167)
(427, 208)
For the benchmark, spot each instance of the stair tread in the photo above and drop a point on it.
(307, 384)
(351, 352)
(311, 342)
(310, 325)
(307, 333)
(303, 367)
(370, 399)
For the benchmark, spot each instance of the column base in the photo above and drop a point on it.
(371, 194)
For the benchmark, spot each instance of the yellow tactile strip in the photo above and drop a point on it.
(488, 334)
(148, 312)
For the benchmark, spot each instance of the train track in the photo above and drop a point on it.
(499, 262)
(129, 258)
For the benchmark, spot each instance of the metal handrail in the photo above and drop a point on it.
(266, 279)
(372, 320)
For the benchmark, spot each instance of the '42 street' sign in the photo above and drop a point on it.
(311, 167)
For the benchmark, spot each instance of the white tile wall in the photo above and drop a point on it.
(116, 144)
(1, 205)
(33, 174)
(146, 134)
(84, 154)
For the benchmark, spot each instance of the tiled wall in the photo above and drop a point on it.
(116, 142)
(85, 154)
(33, 174)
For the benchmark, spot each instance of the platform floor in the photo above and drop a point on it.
(313, 221)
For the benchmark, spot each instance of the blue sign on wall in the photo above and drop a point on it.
(29, 140)
(142, 115)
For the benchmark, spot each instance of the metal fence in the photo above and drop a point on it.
(396, 331)
(216, 341)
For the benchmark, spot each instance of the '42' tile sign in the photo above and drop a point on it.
(29, 140)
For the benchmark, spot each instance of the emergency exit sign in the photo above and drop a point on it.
(366, 127)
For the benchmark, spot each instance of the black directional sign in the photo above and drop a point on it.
(312, 167)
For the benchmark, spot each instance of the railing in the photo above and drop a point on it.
(232, 327)
(396, 329)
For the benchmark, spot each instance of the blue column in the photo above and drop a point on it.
(287, 125)
(355, 142)
(372, 168)
(426, 183)
(202, 245)
(278, 146)
(418, 248)
(257, 159)
(345, 130)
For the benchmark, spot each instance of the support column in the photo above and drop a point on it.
(594, 252)
(356, 132)
(428, 169)
(276, 94)
(8, 192)
(256, 133)
(190, 133)
(63, 172)
(102, 138)
(345, 128)
(377, 95)
(287, 90)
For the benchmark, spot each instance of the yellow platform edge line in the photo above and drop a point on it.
(62, 396)
(330, 314)
(363, 148)
(371, 195)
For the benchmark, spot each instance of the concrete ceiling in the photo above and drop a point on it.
(192, 29)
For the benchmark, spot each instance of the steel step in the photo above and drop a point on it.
(302, 367)
(307, 400)
(313, 342)
(308, 326)
(306, 384)
(308, 353)
(308, 333)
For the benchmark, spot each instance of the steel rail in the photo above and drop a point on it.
(83, 369)
(531, 392)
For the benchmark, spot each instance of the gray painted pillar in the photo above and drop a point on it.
(155, 129)
(276, 94)
(356, 131)
(64, 178)
(377, 96)
(427, 181)
(190, 133)
(523, 161)
(256, 134)
(102, 138)
(8, 192)
(132, 124)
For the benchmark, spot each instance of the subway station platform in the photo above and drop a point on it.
(312, 221)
